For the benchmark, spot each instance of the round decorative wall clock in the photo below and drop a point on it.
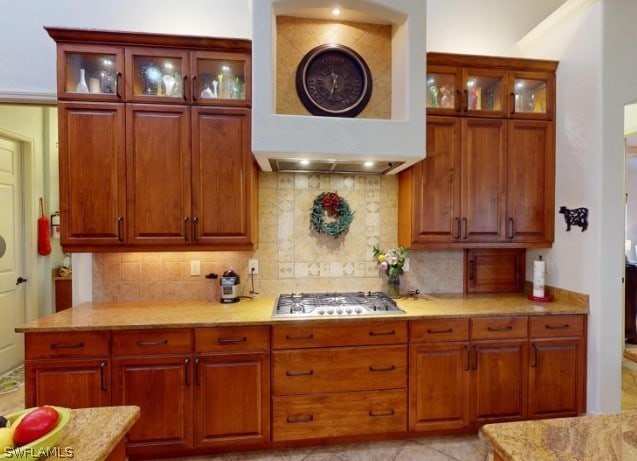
(333, 80)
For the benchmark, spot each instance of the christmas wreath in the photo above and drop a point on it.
(329, 204)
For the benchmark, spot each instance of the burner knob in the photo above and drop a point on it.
(359, 310)
(349, 310)
(330, 311)
(321, 312)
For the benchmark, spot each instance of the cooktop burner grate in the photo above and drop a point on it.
(349, 304)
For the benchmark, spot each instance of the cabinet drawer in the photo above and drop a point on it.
(229, 339)
(339, 334)
(338, 414)
(309, 371)
(499, 328)
(439, 330)
(552, 326)
(66, 344)
(151, 342)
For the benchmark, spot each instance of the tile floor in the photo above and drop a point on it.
(450, 448)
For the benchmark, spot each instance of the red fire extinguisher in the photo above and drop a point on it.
(44, 239)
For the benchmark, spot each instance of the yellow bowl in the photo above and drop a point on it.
(42, 446)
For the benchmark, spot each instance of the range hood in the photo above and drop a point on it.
(340, 144)
(295, 165)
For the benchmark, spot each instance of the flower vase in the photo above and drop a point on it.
(393, 286)
(82, 87)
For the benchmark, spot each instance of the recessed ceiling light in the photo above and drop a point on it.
(304, 162)
(336, 11)
(369, 164)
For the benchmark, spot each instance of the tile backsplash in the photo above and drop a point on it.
(292, 258)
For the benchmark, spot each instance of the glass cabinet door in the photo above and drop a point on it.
(93, 73)
(221, 78)
(484, 92)
(531, 95)
(156, 75)
(443, 90)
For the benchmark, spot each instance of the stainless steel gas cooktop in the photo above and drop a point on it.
(334, 305)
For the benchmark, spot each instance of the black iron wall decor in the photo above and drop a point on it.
(575, 217)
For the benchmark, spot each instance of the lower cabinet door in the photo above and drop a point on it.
(338, 414)
(162, 387)
(439, 386)
(232, 400)
(499, 377)
(71, 383)
(556, 377)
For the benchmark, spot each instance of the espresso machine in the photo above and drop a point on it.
(229, 286)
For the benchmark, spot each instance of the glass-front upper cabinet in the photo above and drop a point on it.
(484, 92)
(90, 72)
(531, 95)
(221, 78)
(444, 93)
(157, 75)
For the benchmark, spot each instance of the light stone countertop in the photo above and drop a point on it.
(93, 433)
(582, 438)
(258, 311)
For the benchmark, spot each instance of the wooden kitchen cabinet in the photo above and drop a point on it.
(557, 366)
(465, 373)
(92, 174)
(67, 369)
(489, 175)
(153, 370)
(486, 86)
(494, 270)
(157, 169)
(322, 386)
(232, 388)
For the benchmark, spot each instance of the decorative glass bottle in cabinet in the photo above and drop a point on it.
(221, 76)
(156, 75)
(443, 92)
(91, 75)
(529, 96)
(484, 91)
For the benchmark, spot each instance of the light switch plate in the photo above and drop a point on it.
(195, 267)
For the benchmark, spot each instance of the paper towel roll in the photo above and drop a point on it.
(538, 278)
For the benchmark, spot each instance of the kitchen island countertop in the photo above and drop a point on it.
(96, 433)
(258, 311)
(583, 438)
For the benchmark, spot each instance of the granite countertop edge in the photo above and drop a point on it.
(258, 311)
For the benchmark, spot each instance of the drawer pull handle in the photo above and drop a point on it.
(389, 368)
(507, 328)
(300, 419)
(566, 326)
(299, 373)
(241, 339)
(310, 336)
(375, 413)
(382, 333)
(161, 342)
(435, 332)
(102, 377)
(67, 346)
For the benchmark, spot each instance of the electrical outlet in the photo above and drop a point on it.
(195, 267)
(253, 266)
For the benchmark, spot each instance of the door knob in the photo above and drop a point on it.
(20, 280)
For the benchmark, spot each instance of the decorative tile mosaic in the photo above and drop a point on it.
(292, 258)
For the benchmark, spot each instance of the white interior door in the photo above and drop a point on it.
(12, 294)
